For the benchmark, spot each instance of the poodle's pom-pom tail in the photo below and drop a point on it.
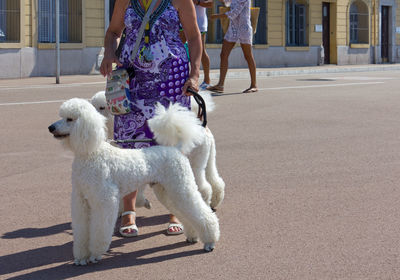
(176, 126)
(206, 95)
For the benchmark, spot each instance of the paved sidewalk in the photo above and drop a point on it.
(235, 73)
(285, 71)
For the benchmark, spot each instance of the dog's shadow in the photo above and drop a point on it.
(35, 258)
(63, 254)
(37, 232)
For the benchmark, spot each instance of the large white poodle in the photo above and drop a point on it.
(99, 102)
(102, 174)
(168, 130)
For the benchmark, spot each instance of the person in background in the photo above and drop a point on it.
(161, 73)
(202, 22)
(239, 29)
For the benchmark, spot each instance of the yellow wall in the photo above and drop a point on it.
(94, 22)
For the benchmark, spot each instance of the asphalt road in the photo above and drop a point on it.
(311, 165)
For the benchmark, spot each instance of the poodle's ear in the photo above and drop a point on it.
(88, 132)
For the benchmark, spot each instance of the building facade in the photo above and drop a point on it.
(289, 33)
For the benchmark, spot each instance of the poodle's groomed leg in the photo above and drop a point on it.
(204, 186)
(104, 212)
(162, 196)
(189, 203)
(141, 200)
(217, 183)
(198, 161)
(80, 227)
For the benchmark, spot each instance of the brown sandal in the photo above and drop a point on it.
(249, 90)
(216, 88)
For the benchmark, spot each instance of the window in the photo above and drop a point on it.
(261, 35)
(296, 32)
(10, 21)
(359, 23)
(214, 33)
(70, 21)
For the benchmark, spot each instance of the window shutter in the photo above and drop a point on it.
(44, 21)
(301, 25)
(3, 21)
(63, 20)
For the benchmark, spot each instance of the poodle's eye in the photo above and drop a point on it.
(69, 120)
(102, 108)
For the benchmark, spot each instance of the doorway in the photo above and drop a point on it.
(326, 31)
(385, 34)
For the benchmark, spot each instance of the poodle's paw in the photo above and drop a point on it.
(94, 259)
(147, 204)
(192, 240)
(208, 247)
(80, 262)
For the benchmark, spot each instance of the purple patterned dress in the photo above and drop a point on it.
(159, 75)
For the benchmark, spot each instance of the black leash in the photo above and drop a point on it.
(201, 114)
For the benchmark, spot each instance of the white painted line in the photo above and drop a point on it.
(3, 88)
(275, 88)
(33, 102)
(320, 86)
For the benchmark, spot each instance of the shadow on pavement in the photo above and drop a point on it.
(118, 260)
(63, 253)
(37, 232)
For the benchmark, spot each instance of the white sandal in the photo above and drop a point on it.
(171, 225)
(134, 229)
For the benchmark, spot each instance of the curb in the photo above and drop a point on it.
(274, 72)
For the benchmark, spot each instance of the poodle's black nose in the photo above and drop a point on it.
(52, 128)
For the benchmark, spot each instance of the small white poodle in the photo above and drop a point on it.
(167, 132)
(102, 174)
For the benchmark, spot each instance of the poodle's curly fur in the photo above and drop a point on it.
(100, 103)
(169, 128)
(102, 174)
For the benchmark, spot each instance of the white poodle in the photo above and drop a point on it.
(102, 174)
(99, 102)
(167, 132)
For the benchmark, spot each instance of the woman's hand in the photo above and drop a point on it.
(192, 83)
(216, 16)
(106, 64)
(113, 33)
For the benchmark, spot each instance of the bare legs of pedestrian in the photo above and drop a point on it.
(248, 55)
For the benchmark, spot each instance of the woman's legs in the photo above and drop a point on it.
(205, 60)
(248, 55)
(129, 205)
(223, 69)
